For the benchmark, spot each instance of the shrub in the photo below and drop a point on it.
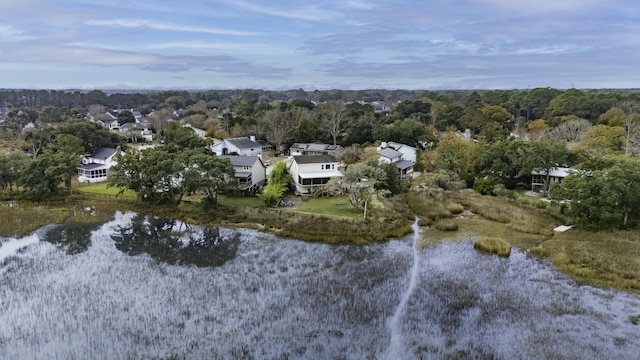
(493, 245)
(446, 225)
(272, 193)
(454, 208)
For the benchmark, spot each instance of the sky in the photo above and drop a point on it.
(329, 44)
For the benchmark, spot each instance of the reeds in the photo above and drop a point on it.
(493, 245)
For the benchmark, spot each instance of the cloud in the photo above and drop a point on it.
(156, 25)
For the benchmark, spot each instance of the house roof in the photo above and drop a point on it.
(389, 153)
(314, 147)
(246, 143)
(92, 166)
(319, 174)
(237, 160)
(103, 153)
(398, 146)
(404, 164)
(314, 159)
(560, 172)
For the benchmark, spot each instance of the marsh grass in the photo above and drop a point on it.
(446, 225)
(493, 245)
(597, 258)
(21, 218)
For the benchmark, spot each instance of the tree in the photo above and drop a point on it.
(278, 126)
(570, 130)
(408, 131)
(159, 119)
(206, 173)
(126, 116)
(602, 140)
(603, 198)
(333, 120)
(357, 183)
(11, 166)
(179, 138)
(537, 129)
(152, 173)
(57, 163)
(93, 135)
(279, 181)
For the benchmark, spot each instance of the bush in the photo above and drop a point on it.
(493, 246)
(446, 225)
(454, 208)
(271, 194)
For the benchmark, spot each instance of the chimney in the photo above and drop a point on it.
(252, 137)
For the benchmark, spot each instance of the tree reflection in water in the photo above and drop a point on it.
(175, 242)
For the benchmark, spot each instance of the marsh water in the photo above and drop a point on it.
(148, 287)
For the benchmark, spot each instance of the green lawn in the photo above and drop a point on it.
(337, 206)
(102, 189)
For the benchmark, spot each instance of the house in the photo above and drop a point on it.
(201, 133)
(250, 171)
(313, 149)
(539, 178)
(404, 167)
(243, 146)
(408, 152)
(136, 132)
(389, 155)
(109, 123)
(311, 173)
(95, 167)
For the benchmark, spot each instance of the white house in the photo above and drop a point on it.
(311, 173)
(250, 171)
(313, 149)
(388, 155)
(95, 167)
(408, 152)
(243, 146)
(539, 178)
(136, 132)
(201, 133)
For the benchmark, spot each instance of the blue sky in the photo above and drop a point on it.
(345, 44)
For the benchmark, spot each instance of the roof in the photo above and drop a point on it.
(237, 160)
(314, 159)
(389, 153)
(314, 147)
(103, 153)
(398, 146)
(560, 172)
(319, 174)
(92, 166)
(246, 143)
(404, 164)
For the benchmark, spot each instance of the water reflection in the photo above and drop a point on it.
(175, 242)
(75, 238)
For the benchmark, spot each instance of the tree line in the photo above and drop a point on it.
(487, 140)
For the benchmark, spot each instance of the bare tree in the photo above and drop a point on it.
(570, 131)
(333, 120)
(631, 127)
(278, 126)
(160, 118)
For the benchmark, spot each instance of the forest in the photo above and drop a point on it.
(490, 140)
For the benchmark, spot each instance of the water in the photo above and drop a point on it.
(396, 349)
(273, 298)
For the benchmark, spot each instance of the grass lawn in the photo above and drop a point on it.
(336, 206)
(240, 201)
(102, 189)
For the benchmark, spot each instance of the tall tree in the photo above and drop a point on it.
(603, 198)
(333, 120)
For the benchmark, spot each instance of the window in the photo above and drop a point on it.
(322, 167)
(245, 167)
